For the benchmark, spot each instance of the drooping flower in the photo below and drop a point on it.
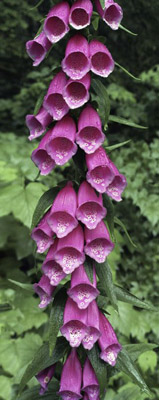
(41, 158)
(90, 135)
(37, 48)
(98, 243)
(71, 378)
(38, 123)
(108, 341)
(44, 377)
(99, 174)
(90, 209)
(43, 235)
(70, 250)
(102, 63)
(118, 184)
(61, 146)
(74, 327)
(92, 323)
(76, 93)
(62, 215)
(54, 102)
(44, 290)
(112, 13)
(76, 63)
(56, 22)
(50, 267)
(80, 14)
(90, 381)
(82, 291)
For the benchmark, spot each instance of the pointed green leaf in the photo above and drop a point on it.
(33, 393)
(134, 350)
(100, 368)
(127, 72)
(43, 360)
(56, 317)
(102, 100)
(44, 204)
(105, 276)
(40, 98)
(117, 221)
(127, 30)
(37, 5)
(123, 121)
(102, 2)
(88, 266)
(116, 146)
(26, 286)
(108, 204)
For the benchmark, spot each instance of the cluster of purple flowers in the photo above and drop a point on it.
(74, 226)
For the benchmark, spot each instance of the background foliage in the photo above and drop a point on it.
(23, 326)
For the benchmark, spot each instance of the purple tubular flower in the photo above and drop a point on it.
(38, 123)
(56, 23)
(113, 14)
(41, 158)
(37, 48)
(54, 102)
(76, 93)
(43, 235)
(44, 290)
(61, 146)
(102, 62)
(44, 377)
(90, 135)
(90, 209)
(98, 243)
(90, 381)
(62, 215)
(76, 63)
(99, 174)
(82, 291)
(118, 184)
(74, 328)
(50, 267)
(80, 14)
(71, 378)
(92, 323)
(108, 341)
(70, 250)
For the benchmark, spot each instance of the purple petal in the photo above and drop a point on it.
(70, 250)
(74, 328)
(37, 48)
(100, 173)
(54, 101)
(44, 377)
(56, 23)
(41, 158)
(80, 14)
(90, 382)
(72, 369)
(90, 135)
(90, 209)
(108, 341)
(38, 123)
(76, 63)
(98, 243)
(102, 62)
(113, 14)
(44, 289)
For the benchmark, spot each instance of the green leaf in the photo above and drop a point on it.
(40, 99)
(102, 2)
(88, 266)
(148, 361)
(95, 23)
(118, 222)
(43, 205)
(25, 286)
(116, 146)
(105, 276)
(43, 360)
(123, 121)
(37, 5)
(100, 368)
(126, 297)
(5, 307)
(127, 72)
(127, 30)
(107, 202)
(125, 364)
(102, 99)
(33, 393)
(56, 317)
(135, 350)
(6, 387)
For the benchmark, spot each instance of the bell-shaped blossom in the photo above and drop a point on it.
(37, 48)
(44, 290)
(98, 243)
(90, 209)
(90, 135)
(92, 323)
(74, 328)
(76, 93)
(112, 13)
(118, 184)
(54, 102)
(76, 63)
(82, 291)
(90, 381)
(108, 341)
(43, 234)
(62, 215)
(70, 250)
(41, 158)
(56, 22)
(102, 62)
(80, 14)
(50, 267)
(61, 146)
(100, 173)
(44, 377)
(71, 378)
(38, 123)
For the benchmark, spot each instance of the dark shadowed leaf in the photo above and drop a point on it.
(102, 100)
(127, 72)
(37, 5)
(123, 121)
(88, 266)
(118, 222)
(134, 350)
(127, 30)
(100, 368)
(40, 99)
(56, 317)
(5, 307)
(25, 286)
(44, 204)
(107, 202)
(105, 276)
(116, 146)
(33, 393)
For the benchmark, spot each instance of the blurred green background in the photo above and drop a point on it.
(23, 326)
